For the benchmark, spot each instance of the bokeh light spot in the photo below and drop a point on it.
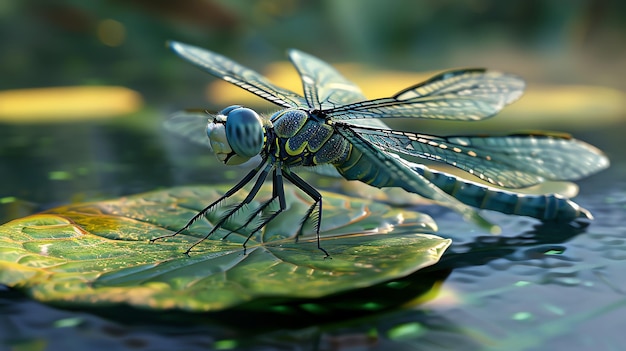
(111, 32)
(67, 103)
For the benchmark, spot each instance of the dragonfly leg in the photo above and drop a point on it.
(205, 210)
(278, 191)
(251, 217)
(255, 189)
(317, 198)
(310, 213)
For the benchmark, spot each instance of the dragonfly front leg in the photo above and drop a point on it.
(252, 216)
(205, 210)
(317, 198)
(251, 195)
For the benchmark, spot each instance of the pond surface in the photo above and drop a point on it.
(534, 287)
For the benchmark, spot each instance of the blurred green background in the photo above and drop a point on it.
(49, 43)
(61, 43)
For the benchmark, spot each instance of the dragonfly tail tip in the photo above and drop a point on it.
(585, 214)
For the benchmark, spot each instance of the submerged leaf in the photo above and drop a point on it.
(99, 253)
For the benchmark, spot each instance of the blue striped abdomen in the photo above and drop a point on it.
(544, 207)
(355, 166)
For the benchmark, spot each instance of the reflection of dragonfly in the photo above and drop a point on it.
(334, 128)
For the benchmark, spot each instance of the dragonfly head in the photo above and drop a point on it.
(236, 134)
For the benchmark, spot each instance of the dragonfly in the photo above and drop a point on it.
(333, 129)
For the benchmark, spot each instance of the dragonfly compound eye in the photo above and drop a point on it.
(244, 131)
(227, 110)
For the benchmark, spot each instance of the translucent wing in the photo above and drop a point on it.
(512, 161)
(463, 95)
(324, 87)
(190, 125)
(326, 170)
(405, 177)
(237, 74)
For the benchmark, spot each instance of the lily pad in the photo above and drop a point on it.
(99, 254)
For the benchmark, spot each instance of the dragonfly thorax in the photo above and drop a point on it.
(236, 134)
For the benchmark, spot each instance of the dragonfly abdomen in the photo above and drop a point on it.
(355, 166)
(544, 206)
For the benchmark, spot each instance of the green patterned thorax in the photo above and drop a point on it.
(305, 140)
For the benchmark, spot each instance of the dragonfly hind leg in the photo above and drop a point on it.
(317, 198)
(278, 192)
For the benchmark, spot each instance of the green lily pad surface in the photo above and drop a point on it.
(99, 253)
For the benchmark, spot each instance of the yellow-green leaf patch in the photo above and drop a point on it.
(99, 254)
